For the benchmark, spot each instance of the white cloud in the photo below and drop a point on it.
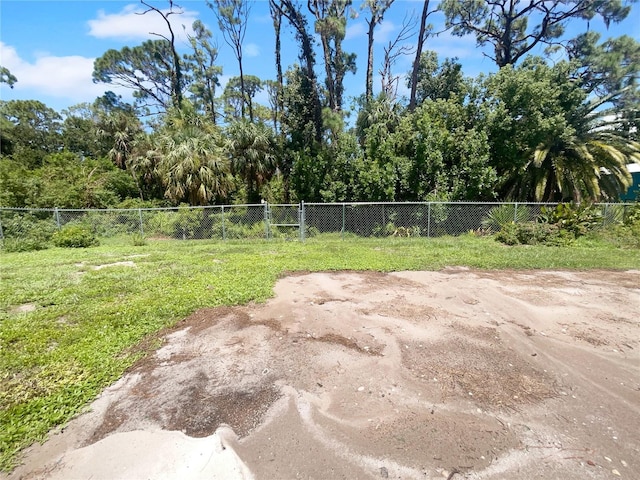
(449, 46)
(130, 24)
(383, 32)
(67, 77)
(251, 50)
(355, 30)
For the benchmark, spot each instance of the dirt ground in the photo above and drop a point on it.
(457, 374)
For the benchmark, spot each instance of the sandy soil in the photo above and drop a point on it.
(453, 374)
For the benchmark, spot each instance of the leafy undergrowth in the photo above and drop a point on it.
(70, 319)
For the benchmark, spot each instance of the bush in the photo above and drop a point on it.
(627, 234)
(632, 215)
(138, 240)
(505, 214)
(74, 236)
(25, 232)
(575, 219)
(27, 244)
(532, 233)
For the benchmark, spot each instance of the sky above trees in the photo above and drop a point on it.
(50, 46)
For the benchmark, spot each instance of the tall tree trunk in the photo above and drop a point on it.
(328, 68)
(416, 63)
(276, 14)
(176, 74)
(339, 71)
(245, 98)
(298, 22)
(369, 81)
(329, 14)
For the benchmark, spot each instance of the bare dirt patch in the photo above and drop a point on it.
(24, 308)
(452, 374)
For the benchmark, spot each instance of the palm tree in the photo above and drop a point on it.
(588, 162)
(192, 162)
(251, 147)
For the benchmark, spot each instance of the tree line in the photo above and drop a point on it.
(536, 130)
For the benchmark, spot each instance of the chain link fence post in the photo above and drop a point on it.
(301, 221)
(224, 232)
(56, 213)
(429, 220)
(266, 220)
(141, 222)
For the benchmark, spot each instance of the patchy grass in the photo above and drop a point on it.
(67, 328)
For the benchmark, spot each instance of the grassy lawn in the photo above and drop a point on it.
(67, 327)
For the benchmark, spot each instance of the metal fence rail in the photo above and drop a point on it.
(288, 221)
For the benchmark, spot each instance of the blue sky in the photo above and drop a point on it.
(50, 45)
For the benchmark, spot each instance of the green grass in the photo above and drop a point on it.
(79, 337)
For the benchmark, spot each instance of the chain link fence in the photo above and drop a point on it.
(269, 221)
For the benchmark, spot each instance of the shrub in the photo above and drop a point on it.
(632, 214)
(138, 240)
(576, 219)
(27, 244)
(74, 236)
(627, 234)
(532, 233)
(505, 214)
(27, 232)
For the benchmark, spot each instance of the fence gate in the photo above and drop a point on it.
(284, 220)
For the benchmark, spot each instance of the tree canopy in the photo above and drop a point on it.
(505, 24)
(562, 125)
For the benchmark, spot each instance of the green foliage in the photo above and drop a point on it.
(550, 142)
(146, 68)
(607, 67)
(575, 219)
(632, 214)
(624, 233)
(505, 214)
(343, 158)
(192, 164)
(30, 131)
(624, 236)
(204, 71)
(438, 81)
(183, 223)
(533, 131)
(7, 77)
(24, 244)
(560, 225)
(251, 147)
(238, 231)
(274, 190)
(235, 101)
(16, 184)
(26, 231)
(504, 24)
(64, 180)
(74, 236)
(138, 240)
(444, 155)
(532, 233)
